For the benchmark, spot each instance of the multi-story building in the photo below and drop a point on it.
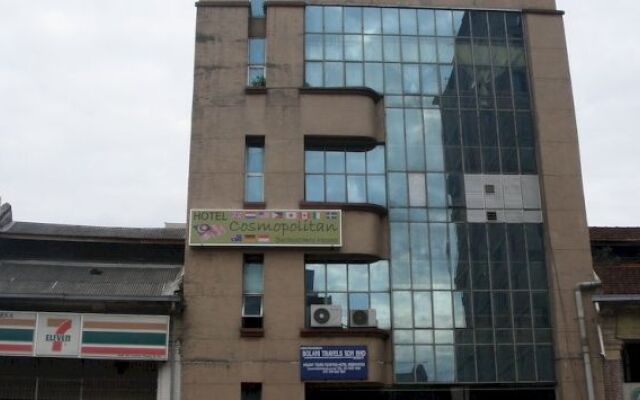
(385, 202)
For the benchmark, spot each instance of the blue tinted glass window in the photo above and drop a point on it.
(408, 22)
(314, 188)
(353, 20)
(372, 20)
(334, 74)
(313, 47)
(333, 19)
(372, 48)
(313, 19)
(313, 73)
(336, 188)
(354, 74)
(257, 8)
(390, 21)
(353, 48)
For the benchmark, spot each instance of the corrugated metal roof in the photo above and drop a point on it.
(88, 279)
(85, 231)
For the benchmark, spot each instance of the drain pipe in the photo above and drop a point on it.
(583, 335)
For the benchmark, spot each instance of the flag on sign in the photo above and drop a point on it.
(263, 238)
(250, 215)
(249, 238)
(304, 215)
(236, 238)
(277, 215)
(292, 215)
(332, 215)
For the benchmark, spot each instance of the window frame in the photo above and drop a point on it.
(254, 142)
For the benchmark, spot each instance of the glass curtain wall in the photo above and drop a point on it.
(470, 301)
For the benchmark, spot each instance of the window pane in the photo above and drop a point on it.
(428, 52)
(376, 192)
(391, 48)
(408, 25)
(356, 189)
(429, 79)
(253, 305)
(355, 75)
(411, 79)
(444, 364)
(375, 160)
(356, 162)
(506, 363)
(313, 47)
(436, 189)
(314, 278)
(443, 310)
(252, 278)
(334, 74)
(444, 23)
(420, 267)
(333, 47)
(446, 50)
(313, 19)
(336, 277)
(426, 22)
(525, 363)
(255, 159)
(256, 51)
(417, 191)
(335, 162)
(313, 73)
(359, 277)
(422, 313)
(353, 19)
(353, 47)
(380, 303)
(379, 276)
(410, 49)
(372, 21)
(397, 189)
(256, 74)
(402, 310)
(257, 8)
(373, 76)
(390, 22)
(336, 188)
(485, 356)
(400, 267)
(314, 188)
(392, 78)
(333, 19)
(358, 301)
(314, 161)
(340, 299)
(254, 189)
(372, 48)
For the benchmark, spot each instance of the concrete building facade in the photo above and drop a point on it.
(443, 136)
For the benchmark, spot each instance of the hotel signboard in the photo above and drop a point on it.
(108, 336)
(265, 228)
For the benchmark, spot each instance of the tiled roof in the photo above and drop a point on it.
(55, 278)
(614, 234)
(619, 279)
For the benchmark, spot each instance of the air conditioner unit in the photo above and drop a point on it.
(363, 319)
(325, 316)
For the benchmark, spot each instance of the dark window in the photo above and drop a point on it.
(631, 359)
(252, 291)
(251, 391)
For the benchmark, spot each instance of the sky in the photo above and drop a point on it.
(95, 108)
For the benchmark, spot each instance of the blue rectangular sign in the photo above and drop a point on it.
(333, 363)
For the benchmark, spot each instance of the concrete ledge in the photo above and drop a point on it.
(363, 91)
(284, 3)
(223, 3)
(368, 207)
(251, 332)
(542, 11)
(346, 332)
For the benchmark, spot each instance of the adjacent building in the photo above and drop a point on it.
(385, 202)
(89, 312)
(616, 258)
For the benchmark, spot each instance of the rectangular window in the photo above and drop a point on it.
(339, 175)
(251, 391)
(254, 170)
(353, 286)
(256, 76)
(257, 8)
(252, 291)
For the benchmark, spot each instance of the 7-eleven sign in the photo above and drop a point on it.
(58, 335)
